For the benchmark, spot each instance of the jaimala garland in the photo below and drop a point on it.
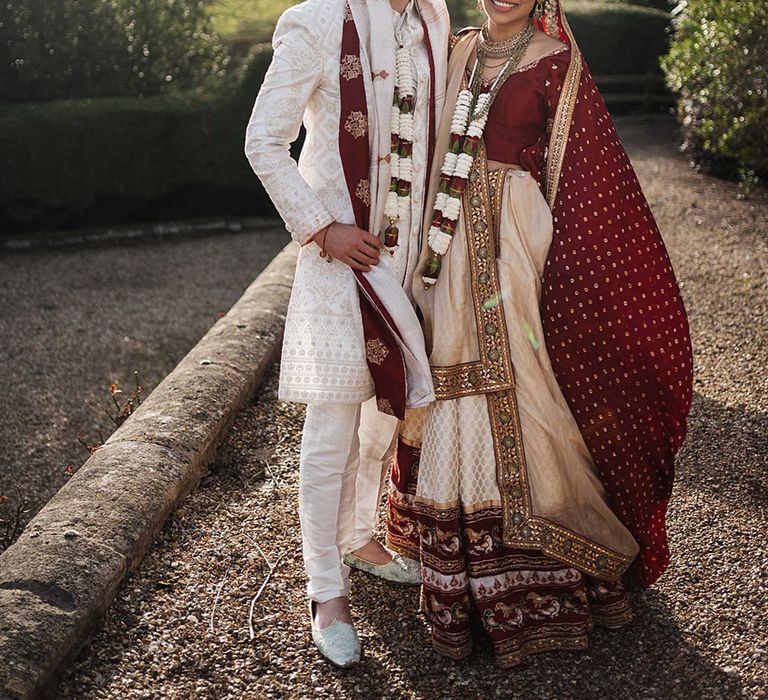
(467, 126)
(398, 202)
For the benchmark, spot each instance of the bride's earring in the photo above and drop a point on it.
(549, 10)
(538, 11)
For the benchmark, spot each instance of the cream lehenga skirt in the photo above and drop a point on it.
(513, 523)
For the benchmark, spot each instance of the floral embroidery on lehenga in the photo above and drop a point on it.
(525, 601)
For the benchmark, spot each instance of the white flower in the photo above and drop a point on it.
(449, 164)
(408, 88)
(452, 208)
(441, 199)
(482, 102)
(394, 165)
(475, 130)
(459, 128)
(404, 74)
(405, 169)
(406, 127)
(461, 113)
(464, 98)
(463, 165)
(459, 121)
(394, 120)
(481, 122)
(439, 240)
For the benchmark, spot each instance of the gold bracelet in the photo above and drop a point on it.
(323, 252)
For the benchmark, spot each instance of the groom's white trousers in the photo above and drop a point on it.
(345, 453)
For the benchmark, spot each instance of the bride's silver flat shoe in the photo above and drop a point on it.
(338, 642)
(399, 570)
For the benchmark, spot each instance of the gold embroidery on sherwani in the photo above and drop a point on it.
(384, 406)
(350, 68)
(493, 371)
(363, 191)
(356, 124)
(494, 376)
(375, 351)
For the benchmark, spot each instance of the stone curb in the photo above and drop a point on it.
(62, 574)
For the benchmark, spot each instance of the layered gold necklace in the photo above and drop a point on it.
(505, 48)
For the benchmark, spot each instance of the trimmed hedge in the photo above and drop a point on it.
(718, 64)
(75, 163)
(51, 49)
(90, 162)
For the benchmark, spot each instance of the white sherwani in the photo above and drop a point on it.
(323, 356)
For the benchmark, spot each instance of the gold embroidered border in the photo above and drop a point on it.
(516, 657)
(524, 530)
(561, 127)
(496, 180)
(493, 372)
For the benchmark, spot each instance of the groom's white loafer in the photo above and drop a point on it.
(338, 642)
(399, 570)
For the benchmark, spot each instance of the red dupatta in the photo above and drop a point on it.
(383, 355)
(615, 325)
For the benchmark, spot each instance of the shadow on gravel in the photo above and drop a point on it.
(725, 453)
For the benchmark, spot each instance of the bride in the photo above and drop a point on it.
(559, 349)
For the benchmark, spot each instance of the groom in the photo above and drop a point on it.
(367, 79)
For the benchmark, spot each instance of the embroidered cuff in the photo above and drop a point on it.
(312, 221)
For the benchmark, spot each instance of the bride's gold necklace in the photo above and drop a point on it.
(505, 48)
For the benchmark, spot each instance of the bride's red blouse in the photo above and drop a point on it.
(516, 132)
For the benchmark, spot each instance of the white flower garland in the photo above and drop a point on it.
(397, 205)
(466, 133)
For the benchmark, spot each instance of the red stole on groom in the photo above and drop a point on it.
(382, 351)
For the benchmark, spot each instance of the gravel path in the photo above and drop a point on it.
(73, 321)
(180, 626)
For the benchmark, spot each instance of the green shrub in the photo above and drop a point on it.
(719, 66)
(87, 48)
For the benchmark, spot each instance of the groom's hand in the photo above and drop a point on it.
(351, 245)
